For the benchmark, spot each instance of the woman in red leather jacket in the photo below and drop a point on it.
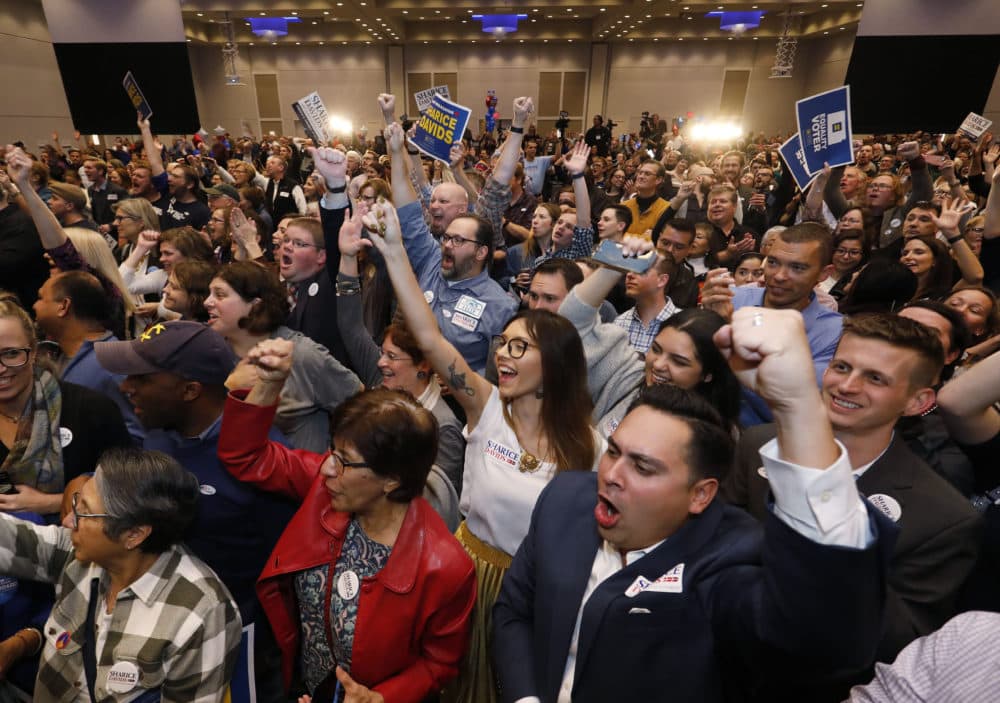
(366, 588)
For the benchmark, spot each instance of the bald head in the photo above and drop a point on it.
(448, 201)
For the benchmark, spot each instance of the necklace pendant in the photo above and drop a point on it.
(528, 464)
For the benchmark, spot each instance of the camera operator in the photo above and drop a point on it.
(598, 137)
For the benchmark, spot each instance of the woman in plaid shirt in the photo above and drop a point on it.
(136, 616)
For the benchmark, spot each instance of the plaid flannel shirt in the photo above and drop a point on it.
(640, 336)
(177, 623)
(491, 205)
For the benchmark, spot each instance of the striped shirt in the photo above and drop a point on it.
(956, 663)
(175, 628)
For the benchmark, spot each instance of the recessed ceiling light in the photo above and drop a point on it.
(201, 14)
(315, 22)
(326, 12)
(604, 9)
(533, 19)
(656, 39)
(298, 43)
(825, 33)
(406, 12)
(426, 42)
(521, 40)
(570, 41)
(437, 12)
(262, 14)
(274, 43)
(251, 43)
(344, 43)
(296, 14)
(545, 41)
(189, 41)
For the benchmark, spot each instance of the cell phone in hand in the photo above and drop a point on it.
(610, 254)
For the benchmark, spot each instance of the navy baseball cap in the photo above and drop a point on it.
(188, 349)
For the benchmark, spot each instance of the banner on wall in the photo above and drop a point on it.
(791, 152)
(441, 125)
(139, 101)
(312, 113)
(423, 97)
(824, 123)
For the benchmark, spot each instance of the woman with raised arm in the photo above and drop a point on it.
(534, 424)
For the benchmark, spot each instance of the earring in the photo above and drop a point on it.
(539, 393)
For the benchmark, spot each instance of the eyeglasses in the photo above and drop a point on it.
(298, 243)
(455, 241)
(976, 230)
(391, 356)
(343, 466)
(369, 198)
(77, 514)
(879, 186)
(516, 348)
(119, 218)
(15, 358)
(941, 192)
(218, 220)
(847, 252)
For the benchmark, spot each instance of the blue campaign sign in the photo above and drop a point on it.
(825, 128)
(139, 101)
(441, 125)
(791, 152)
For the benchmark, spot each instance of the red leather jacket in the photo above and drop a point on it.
(413, 619)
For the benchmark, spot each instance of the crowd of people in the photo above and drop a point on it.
(568, 418)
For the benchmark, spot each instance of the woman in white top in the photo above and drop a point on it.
(535, 423)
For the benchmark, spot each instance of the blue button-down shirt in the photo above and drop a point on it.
(469, 333)
(823, 328)
(85, 370)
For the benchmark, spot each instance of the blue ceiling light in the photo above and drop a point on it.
(499, 25)
(737, 21)
(270, 26)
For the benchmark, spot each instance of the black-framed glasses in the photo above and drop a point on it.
(975, 230)
(456, 241)
(847, 252)
(77, 514)
(392, 356)
(343, 466)
(15, 358)
(516, 348)
(125, 217)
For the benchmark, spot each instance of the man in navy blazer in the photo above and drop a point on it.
(638, 585)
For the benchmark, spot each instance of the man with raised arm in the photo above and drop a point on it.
(635, 581)
(470, 307)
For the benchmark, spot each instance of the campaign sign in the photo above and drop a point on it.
(135, 95)
(825, 128)
(441, 125)
(791, 152)
(423, 97)
(974, 125)
(312, 113)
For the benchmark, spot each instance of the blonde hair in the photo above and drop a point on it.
(139, 207)
(10, 309)
(97, 254)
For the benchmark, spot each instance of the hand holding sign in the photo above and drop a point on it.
(457, 154)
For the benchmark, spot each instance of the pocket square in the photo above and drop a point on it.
(639, 611)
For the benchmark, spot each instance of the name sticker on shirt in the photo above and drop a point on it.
(640, 584)
(464, 321)
(470, 306)
(670, 582)
(284, 194)
(112, 196)
(123, 677)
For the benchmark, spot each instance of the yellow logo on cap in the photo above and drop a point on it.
(146, 336)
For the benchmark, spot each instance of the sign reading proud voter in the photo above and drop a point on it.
(824, 122)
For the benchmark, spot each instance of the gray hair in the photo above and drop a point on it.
(146, 488)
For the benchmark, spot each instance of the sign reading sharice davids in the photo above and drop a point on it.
(791, 152)
(139, 101)
(312, 113)
(423, 97)
(825, 129)
(442, 124)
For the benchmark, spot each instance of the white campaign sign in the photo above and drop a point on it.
(423, 97)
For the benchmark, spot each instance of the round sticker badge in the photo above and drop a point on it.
(889, 506)
(206, 490)
(123, 677)
(429, 296)
(348, 585)
(65, 436)
(313, 289)
(895, 222)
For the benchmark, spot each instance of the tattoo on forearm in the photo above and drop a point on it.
(457, 380)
